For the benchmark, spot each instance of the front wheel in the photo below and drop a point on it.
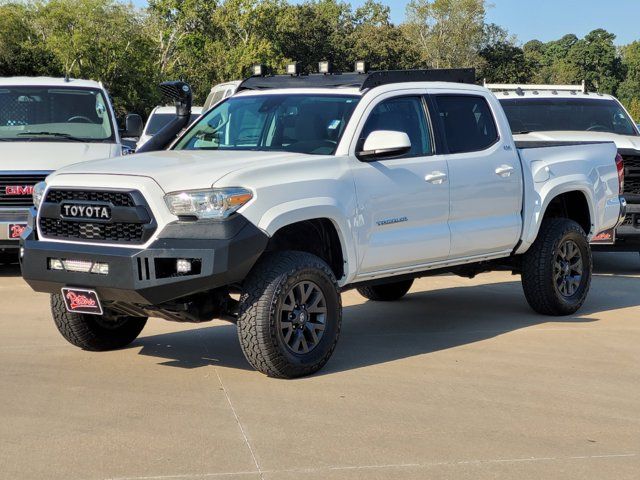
(95, 332)
(290, 315)
(556, 270)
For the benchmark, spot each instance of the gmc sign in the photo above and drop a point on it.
(19, 190)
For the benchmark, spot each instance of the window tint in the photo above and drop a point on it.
(27, 112)
(567, 114)
(302, 123)
(404, 114)
(467, 122)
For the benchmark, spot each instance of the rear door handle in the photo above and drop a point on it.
(436, 178)
(504, 171)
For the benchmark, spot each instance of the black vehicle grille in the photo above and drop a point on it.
(112, 231)
(117, 199)
(631, 174)
(121, 232)
(20, 187)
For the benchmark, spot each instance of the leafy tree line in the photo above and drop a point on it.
(205, 42)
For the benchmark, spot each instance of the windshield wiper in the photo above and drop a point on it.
(54, 134)
(521, 132)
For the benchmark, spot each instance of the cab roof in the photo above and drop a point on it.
(48, 82)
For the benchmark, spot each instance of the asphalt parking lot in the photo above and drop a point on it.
(460, 380)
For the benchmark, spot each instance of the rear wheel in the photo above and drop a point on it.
(290, 315)
(387, 292)
(95, 332)
(556, 270)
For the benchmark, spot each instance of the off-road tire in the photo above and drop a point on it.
(538, 268)
(387, 292)
(93, 332)
(263, 297)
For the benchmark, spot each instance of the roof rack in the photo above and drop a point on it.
(363, 81)
(521, 88)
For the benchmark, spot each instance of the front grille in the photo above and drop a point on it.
(117, 199)
(120, 232)
(21, 184)
(137, 229)
(631, 174)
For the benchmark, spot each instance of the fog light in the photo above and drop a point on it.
(100, 268)
(55, 264)
(183, 265)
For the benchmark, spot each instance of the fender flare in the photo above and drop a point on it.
(534, 218)
(289, 213)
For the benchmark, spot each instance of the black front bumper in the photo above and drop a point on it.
(227, 250)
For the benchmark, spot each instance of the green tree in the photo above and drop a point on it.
(505, 63)
(101, 40)
(449, 33)
(314, 31)
(375, 39)
(21, 50)
(629, 89)
(595, 60)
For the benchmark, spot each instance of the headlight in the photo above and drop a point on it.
(214, 203)
(38, 193)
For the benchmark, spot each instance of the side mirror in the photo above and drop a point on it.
(382, 144)
(132, 126)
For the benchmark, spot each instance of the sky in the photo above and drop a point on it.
(550, 19)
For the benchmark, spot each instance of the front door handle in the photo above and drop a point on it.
(436, 178)
(504, 171)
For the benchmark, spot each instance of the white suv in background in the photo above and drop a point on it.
(569, 113)
(220, 92)
(45, 124)
(161, 116)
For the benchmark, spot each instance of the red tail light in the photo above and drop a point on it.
(620, 167)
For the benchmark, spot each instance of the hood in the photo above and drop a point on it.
(621, 141)
(181, 170)
(48, 156)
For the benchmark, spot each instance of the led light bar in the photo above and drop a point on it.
(79, 266)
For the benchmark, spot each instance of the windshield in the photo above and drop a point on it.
(292, 123)
(54, 114)
(567, 114)
(159, 120)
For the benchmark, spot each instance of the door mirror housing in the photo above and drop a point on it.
(381, 144)
(132, 126)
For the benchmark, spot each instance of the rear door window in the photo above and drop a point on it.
(467, 122)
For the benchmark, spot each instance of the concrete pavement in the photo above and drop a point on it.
(460, 380)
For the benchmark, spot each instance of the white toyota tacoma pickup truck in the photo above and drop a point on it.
(299, 187)
(47, 123)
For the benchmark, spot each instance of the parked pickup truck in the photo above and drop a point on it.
(299, 187)
(45, 124)
(571, 113)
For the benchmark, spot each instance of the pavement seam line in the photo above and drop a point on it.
(242, 431)
(387, 466)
